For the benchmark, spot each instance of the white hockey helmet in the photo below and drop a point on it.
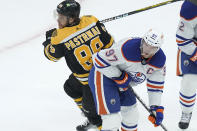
(154, 38)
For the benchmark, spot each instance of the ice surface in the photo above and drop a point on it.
(31, 87)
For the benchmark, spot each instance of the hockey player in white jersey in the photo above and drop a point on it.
(187, 59)
(128, 62)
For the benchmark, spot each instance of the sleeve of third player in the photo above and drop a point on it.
(186, 28)
(155, 86)
(107, 60)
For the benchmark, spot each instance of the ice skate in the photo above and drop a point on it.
(85, 126)
(185, 119)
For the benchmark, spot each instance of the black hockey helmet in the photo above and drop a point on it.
(69, 8)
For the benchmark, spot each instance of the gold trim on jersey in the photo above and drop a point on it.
(48, 54)
(79, 102)
(80, 107)
(81, 75)
(77, 40)
(65, 34)
(84, 83)
(78, 99)
(110, 43)
(100, 127)
(83, 78)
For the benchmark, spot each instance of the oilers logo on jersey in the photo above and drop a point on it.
(137, 77)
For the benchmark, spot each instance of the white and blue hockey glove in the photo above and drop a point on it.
(123, 81)
(157, 116)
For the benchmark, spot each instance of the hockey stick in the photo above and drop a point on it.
(139, 10)
(145, 106)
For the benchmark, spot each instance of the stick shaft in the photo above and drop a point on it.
(139, 10)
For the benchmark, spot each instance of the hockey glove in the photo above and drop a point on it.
(45, 43)
(49, 33)
(194, 56)
(122, 81)
(157, 116)
(123, 89)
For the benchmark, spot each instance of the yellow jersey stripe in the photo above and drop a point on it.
(78, 99)
(81, 75)
(80, 107)
(110, 43)
(48, 55)
(84, 83)
(85, 23)
(100, 127)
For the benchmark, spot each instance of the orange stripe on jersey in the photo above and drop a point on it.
(102, 109)
(160, 110)
(178, 62)
(123, 80)
(154, 66)
(187, 101)
(194, 58)
(152, 86)
(123, 129)
(188, 19)
(99, 63)
(178, 41)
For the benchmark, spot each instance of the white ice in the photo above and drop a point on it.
(31, 87)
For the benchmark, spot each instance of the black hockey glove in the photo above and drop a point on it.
(49, 33)
(46, 42)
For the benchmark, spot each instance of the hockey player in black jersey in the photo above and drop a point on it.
(76, 39)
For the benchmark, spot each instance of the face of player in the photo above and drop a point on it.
(148, 51)
(62, 21)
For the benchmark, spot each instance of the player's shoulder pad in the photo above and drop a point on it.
(89, 19)
(131, 50)
(188, 10)
(67, 31)
(158, 60)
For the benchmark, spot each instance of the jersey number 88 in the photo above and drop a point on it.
(84, 53)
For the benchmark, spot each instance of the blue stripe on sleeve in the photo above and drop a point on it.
(186, 43)
(129, 127)
(102, 60)
(155, 82)
(151, 90)
(186, 105)
(187, 97)
(182, 38)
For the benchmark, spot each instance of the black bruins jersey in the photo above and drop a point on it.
(77, 44)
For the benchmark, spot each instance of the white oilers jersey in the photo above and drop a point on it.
(126, 55)
(186, 35)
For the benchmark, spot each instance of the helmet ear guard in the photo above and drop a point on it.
(153, 38)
